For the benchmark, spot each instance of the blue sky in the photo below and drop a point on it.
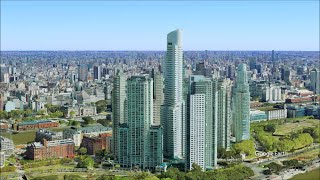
(143, 25)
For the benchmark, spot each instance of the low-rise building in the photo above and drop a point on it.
(257, 116)
(48, 135)
(95, 143)
(2, 159)
(276, 114)
(76, 134)
(80, 110)
(28, 125)
(6, 145)
(50, 149)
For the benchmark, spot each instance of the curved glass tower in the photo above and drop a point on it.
(172, 111)
(241, 105)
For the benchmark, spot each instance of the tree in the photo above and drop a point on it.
(246, 147)
(72, 177)
(86, 162)
(285, 145)
(274, 167)
(270, 128)
(72, 114)
(221, 152)
(291, 163)
(88, 120)
(83, 150)
(3, 115)
(101, 106)
(104, 122)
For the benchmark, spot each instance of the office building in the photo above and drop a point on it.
(241, 105)
(172, 111)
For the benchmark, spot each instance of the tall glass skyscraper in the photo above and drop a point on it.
(241, 105)
(118, 100)
(201, 123)
(172, 111)
(140, 143)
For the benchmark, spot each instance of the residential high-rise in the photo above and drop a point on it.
(157, 96)
(172, 111)
(118, 101)
(201, 123)
(224, 114)
(97, 72)
(140, 143)
(82, 72)
(241, 105)
(315, 81)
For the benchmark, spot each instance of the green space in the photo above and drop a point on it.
(21, 137)
(286, 135)
(314, 174)
(307, 156)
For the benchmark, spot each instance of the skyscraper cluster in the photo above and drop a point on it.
(159, 116)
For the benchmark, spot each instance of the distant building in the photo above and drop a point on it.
(97, 72)
(257, 116)
(76, 134)
(6, 145)
(10, 106)
(80, 110)
(315, 81)
(2, 159)
(28, 125)
(48, 135)
(276, 114)
(95, 143)
(82, 72)
(50, 149)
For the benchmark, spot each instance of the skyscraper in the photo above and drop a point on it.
(241, 105)
(224, 114)
(97, 72)
(82, 72)
(315, 81)
(201, 123)
(118, 100)
(140, 143)
(172, 112)
(157, 96)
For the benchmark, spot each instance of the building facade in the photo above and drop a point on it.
(172, 111)
(241, 105)
(118, 99)
(48, 135)
(50, 149)
(139, 144)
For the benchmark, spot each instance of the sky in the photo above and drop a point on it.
(144, 25)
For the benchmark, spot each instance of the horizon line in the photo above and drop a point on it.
(160, 50)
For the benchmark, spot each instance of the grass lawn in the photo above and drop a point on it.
(21, 137)
(310, 155)
(315, 174)
(287, 128)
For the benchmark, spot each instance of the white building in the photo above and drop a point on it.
(172, 111)
(197, 124)
(276, 114)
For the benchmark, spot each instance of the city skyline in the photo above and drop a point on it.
(142, 25)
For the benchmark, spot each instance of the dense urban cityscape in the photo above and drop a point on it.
(171, 114)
